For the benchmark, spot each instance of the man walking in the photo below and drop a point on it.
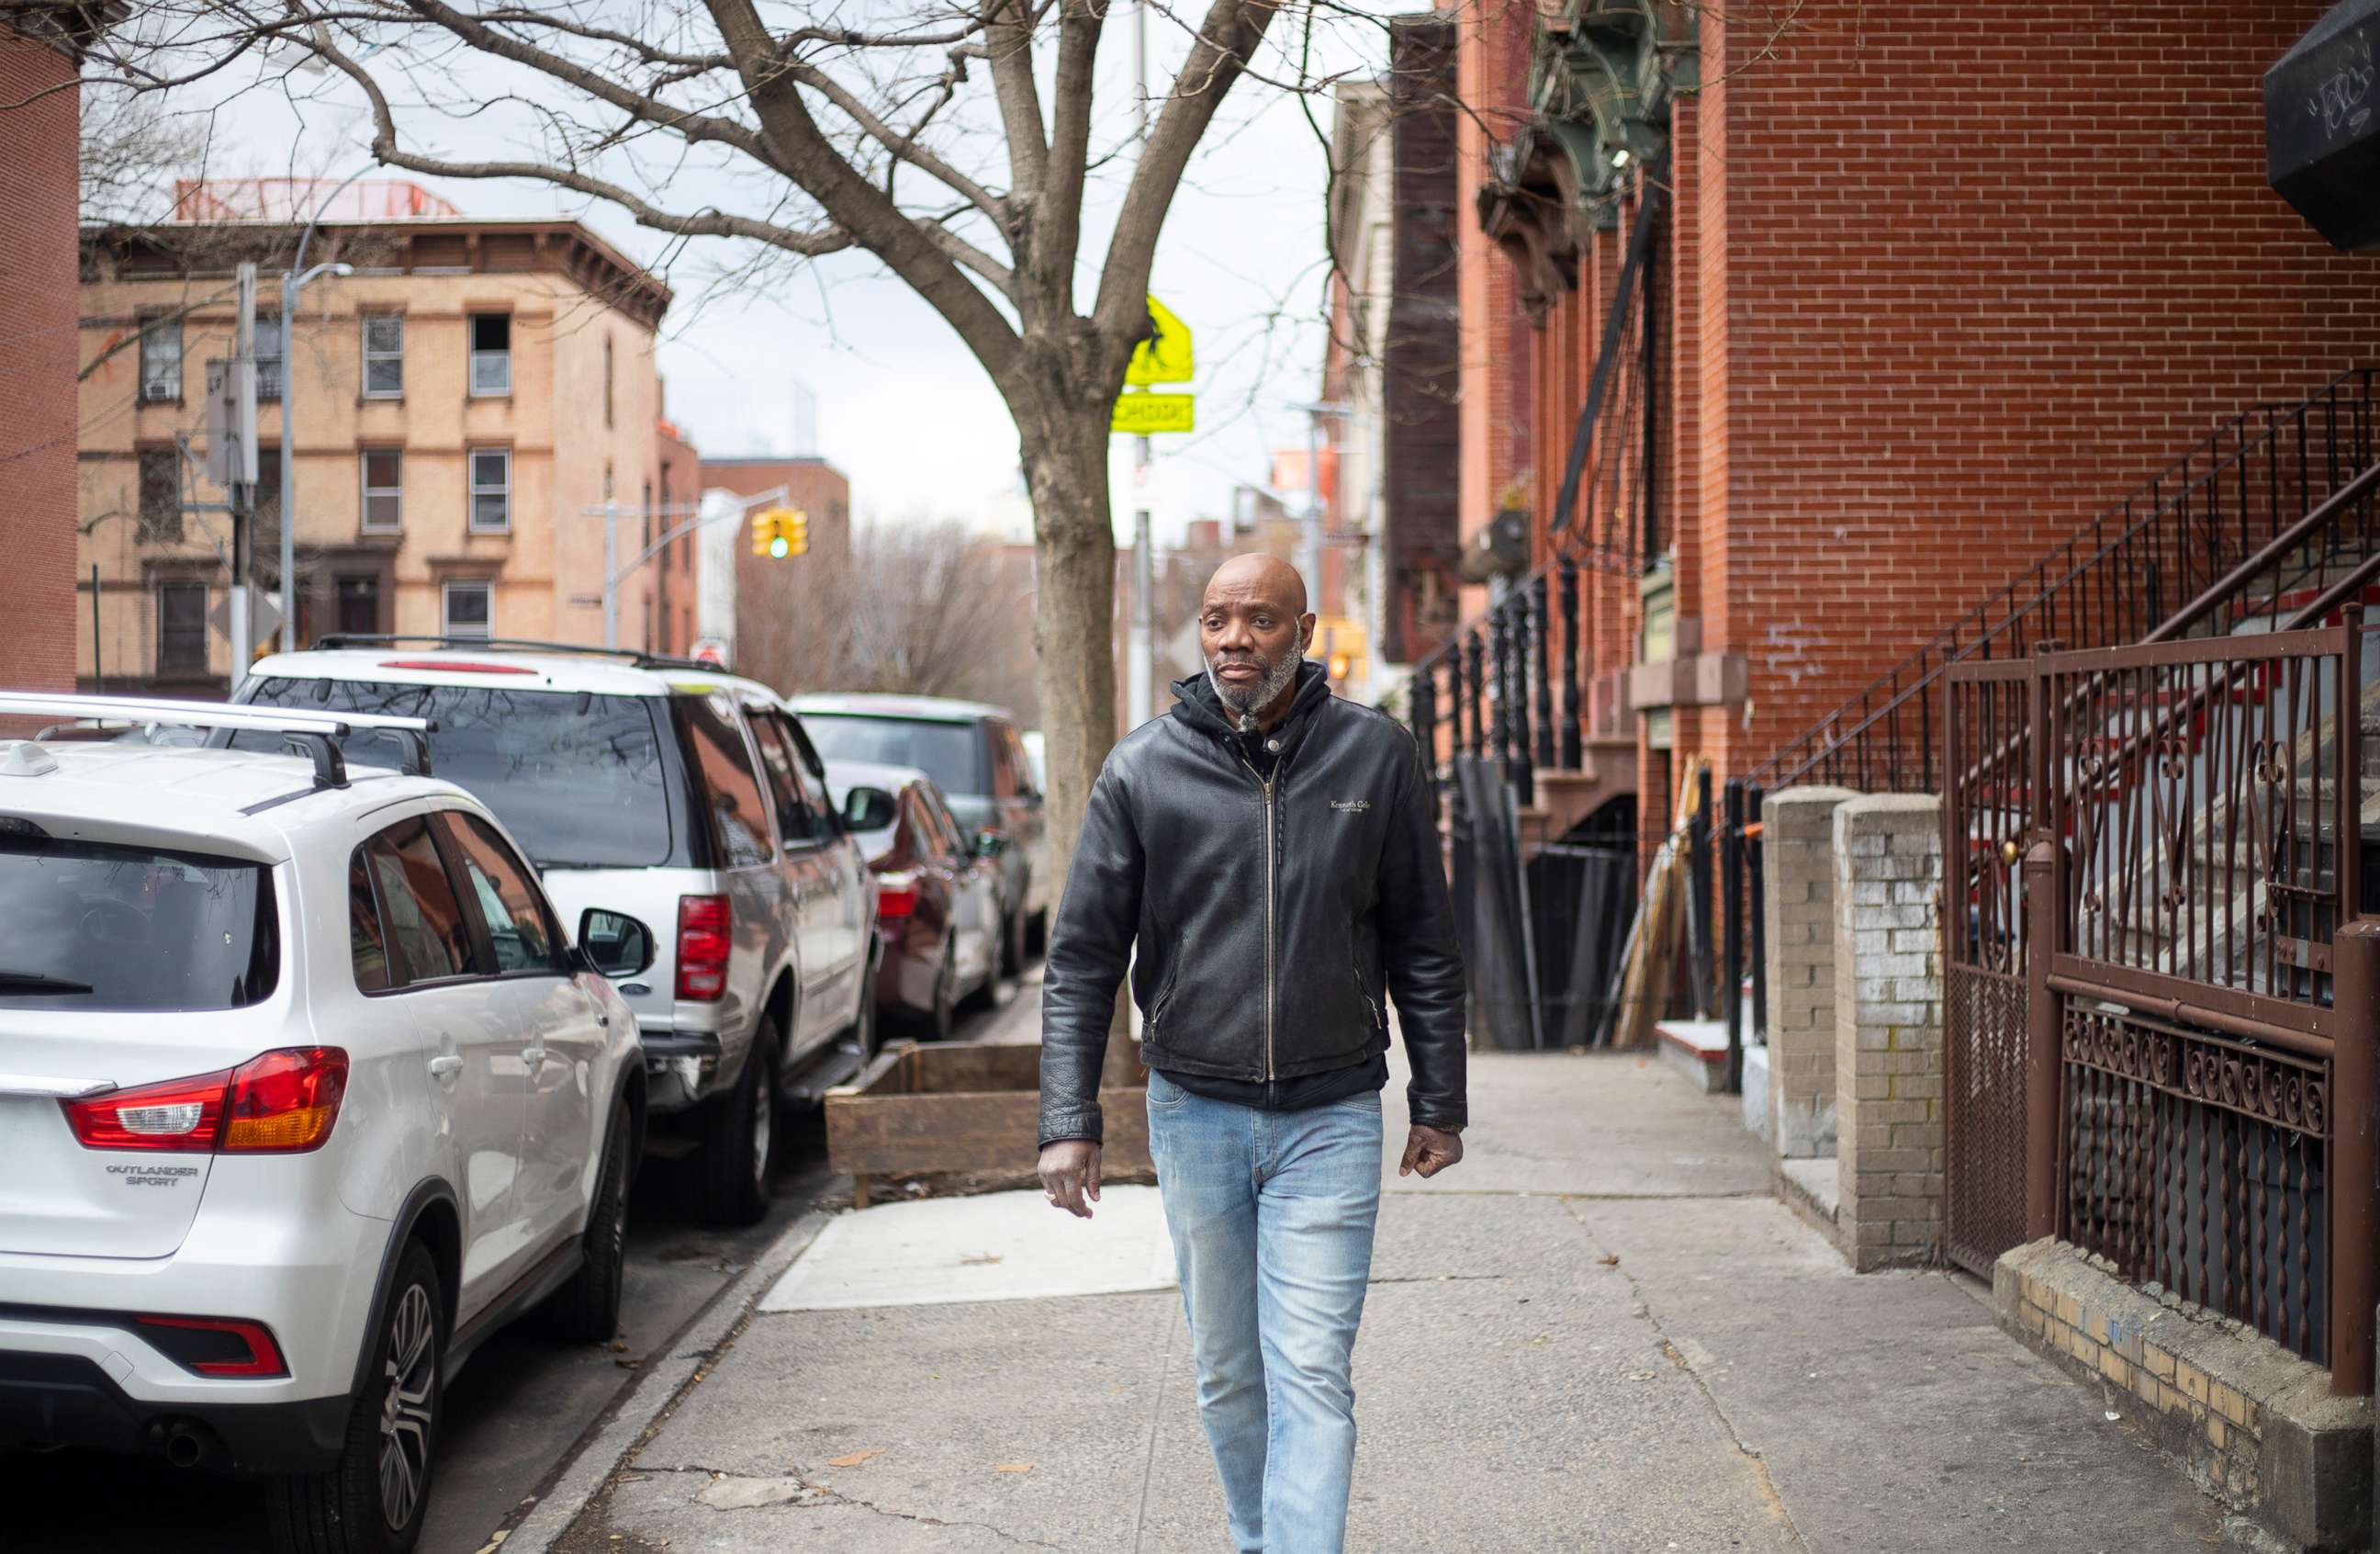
(1272, 851)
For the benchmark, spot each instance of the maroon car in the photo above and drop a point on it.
(936, 897)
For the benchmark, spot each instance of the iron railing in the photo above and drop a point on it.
(2155, 874)
(2179, 537)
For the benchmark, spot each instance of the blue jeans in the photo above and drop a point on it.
(1271, 1216)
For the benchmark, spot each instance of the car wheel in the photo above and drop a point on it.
(1037, 934)
(943, 1018)
(373, 1499)
(862, 1036)
(587, 1310)
(732, 1169)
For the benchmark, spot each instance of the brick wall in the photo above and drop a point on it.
(38, 201)
(1888, 1029)
(1498, 431)
(1798, 851)
(1982, 268)
(2255, 1424)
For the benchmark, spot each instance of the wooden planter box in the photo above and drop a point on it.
(961, 1109)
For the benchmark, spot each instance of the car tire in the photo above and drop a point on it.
(374, 1498)
(587, 1310)
(861, 1036)
(731, 1172)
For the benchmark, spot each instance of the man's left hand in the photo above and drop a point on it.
(1430, 1151)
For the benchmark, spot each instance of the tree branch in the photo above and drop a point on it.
(711, 223)
(1227, 39)
(1008, 46)
(806, 155)
(905, 147)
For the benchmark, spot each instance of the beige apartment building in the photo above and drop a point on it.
(462, 402)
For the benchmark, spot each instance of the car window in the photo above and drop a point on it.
(425, 922)
(89, 925)
(947, 752)
(1019, 760)
(579, 778)
(798, 821)
(509, 902)
(731, 789)
(1003, 764)
(952, 834)
(366, 944)
(811, 782)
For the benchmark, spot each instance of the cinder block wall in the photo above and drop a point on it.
(1797, 836)
(1888, 1029)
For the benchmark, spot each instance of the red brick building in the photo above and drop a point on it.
(1918, 293)
(786, 609)
(38, 246)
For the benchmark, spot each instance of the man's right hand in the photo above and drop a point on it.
(1070, 1174)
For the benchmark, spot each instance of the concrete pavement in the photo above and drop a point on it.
(1597, 1334)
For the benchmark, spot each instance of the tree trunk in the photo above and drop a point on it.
(1065, 455)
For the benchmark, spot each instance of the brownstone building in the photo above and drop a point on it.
(465, 403)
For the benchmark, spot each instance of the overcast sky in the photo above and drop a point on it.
(900, 405)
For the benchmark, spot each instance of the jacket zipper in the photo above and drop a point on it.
(1371, 1008)
(1266, 786)
(1165, 993)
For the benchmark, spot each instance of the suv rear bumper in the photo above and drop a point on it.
(681, 1069)
(68, 1399)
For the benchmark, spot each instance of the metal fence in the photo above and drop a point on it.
(2153, 859)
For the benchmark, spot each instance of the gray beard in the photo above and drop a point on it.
(1244, 705)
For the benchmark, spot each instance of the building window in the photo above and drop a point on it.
(384, 507)
(607, 380)
(161, 497)
(358, 606)
(492, 491)
(470, 609)
(161, 361)
(181, 628)
(383, 356)
(268, 356)
(491, 354)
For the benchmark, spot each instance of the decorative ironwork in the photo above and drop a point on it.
(1572, 731)
(1541, 665)
(2204, 1164)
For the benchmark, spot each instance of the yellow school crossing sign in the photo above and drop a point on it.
(1166, 356)
(1144, 413)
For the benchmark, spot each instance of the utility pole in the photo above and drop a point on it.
(243, 490)
(610, 571)
(1140, 693)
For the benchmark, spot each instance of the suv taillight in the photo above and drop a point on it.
(283, 1102)
(897, 894)
(702, 943)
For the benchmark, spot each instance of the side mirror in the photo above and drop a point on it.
(867, 809)
(989, 844)
(617, 944)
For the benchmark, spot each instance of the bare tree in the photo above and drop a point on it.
(932, 613)
(951, 140)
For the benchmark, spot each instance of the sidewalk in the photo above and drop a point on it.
(1598, 1333)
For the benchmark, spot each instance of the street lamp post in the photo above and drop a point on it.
(293, 281)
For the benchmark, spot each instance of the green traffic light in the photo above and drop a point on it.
(779, 549)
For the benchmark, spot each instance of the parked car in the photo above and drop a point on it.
(304, 1091)
(973, 754)
(687, 798)
(937, 897)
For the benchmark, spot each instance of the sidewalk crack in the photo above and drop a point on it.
(828, 1495)
(1766, 1486)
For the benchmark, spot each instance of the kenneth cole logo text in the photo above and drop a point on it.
(1351, 803)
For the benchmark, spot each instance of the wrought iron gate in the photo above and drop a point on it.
(1988, 805)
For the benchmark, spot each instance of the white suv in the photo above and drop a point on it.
(303, 1091)
(680, 794)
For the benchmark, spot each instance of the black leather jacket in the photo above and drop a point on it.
(1271, 919)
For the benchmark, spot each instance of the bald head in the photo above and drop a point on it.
(1253, 629)
(1256, 574)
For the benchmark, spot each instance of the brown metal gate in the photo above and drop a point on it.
(1987, 810)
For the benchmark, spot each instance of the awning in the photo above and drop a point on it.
(2321, 124)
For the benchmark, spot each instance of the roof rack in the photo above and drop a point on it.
(636, 657)
(321, 732)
